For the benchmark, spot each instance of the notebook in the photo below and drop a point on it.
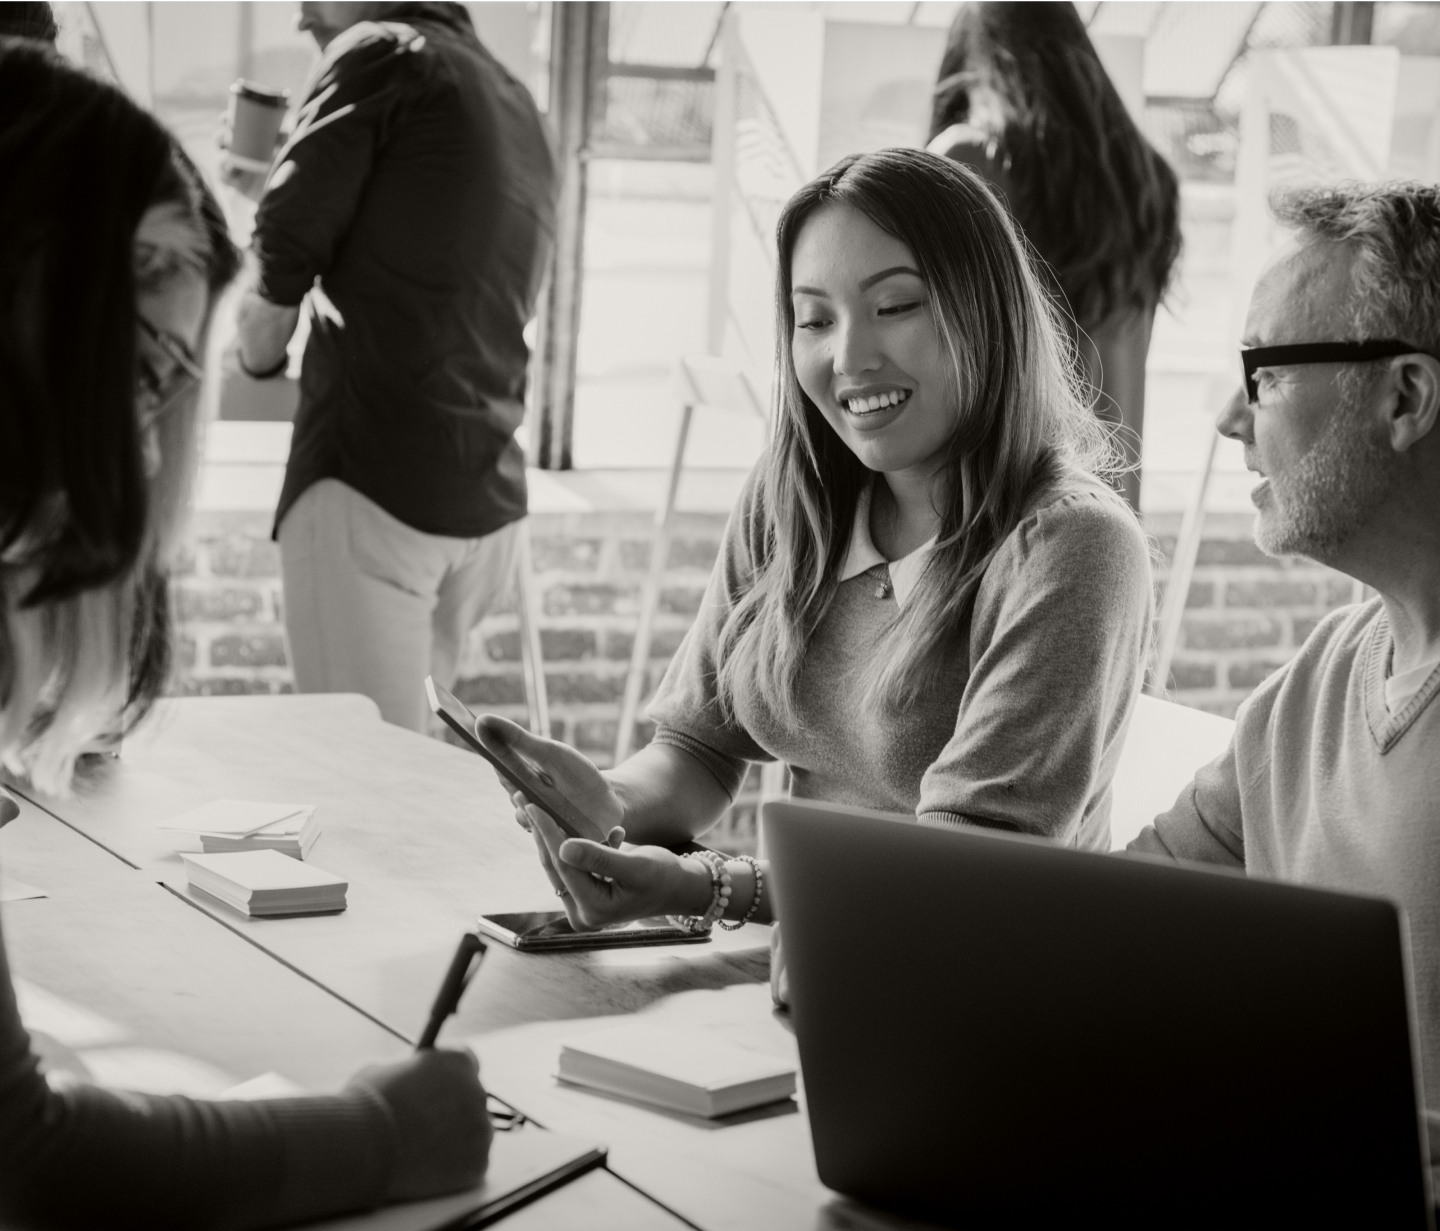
(244, 825)
(266, 883)
(676, 1070)
(524, 1163)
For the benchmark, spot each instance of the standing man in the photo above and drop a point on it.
(414, 203)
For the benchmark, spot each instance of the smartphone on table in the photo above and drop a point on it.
(548, 931)
(518, 772)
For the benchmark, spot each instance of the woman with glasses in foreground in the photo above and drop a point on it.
(926, 601)
(112, 255)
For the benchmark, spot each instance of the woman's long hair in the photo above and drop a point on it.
(99, 204)
(1097, 201)
(1019, 424)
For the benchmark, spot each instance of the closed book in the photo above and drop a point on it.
(674, 1069)
(266, 883)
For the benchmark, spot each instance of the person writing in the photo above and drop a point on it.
(926, 601)
(112, 255)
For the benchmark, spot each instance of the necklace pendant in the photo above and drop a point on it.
(883, 589)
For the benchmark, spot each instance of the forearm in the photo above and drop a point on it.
(265, 330)
(145, 1161)
(174, 1162)
(669, 797)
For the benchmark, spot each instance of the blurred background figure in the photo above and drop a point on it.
(414, 203)
(1024, 100)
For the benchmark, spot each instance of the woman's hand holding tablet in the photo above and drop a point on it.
(567, 773)
(601, 884)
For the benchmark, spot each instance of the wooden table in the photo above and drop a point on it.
(107, 938)
(188, 998)
(427, 839)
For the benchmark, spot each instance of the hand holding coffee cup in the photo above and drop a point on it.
(250, 134)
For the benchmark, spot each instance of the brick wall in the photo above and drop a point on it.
(230, 609)
(589, 570)
(1246, 615)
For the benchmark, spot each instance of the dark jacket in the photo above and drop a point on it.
(417, 197)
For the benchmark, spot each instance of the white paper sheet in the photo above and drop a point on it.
(17, 891)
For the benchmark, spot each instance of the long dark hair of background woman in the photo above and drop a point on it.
(1024, 99)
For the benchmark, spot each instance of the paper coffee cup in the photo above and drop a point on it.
(256, 114)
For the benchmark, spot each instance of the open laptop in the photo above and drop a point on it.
(998, 1032)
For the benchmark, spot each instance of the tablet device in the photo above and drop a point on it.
(515, 770)
(542, 931)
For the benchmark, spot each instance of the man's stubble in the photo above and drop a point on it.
(1334, 489)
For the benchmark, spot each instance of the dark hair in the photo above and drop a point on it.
(84, 532)
(29, 19)
(1019, 424)
(81, 164)
(1093, 197)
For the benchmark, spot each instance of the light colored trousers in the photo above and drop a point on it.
(373, 606)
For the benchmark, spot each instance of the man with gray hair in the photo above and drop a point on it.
(1332, 777)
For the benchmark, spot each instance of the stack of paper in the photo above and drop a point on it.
(245, 825)
(676, 1070)
(266, 883)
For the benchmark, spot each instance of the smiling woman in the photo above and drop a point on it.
(927, 601)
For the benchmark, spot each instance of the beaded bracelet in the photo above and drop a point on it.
(719, 895)
(754, 901)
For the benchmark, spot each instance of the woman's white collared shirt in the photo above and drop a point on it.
(863, 555)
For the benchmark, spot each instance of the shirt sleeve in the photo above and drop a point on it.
(82, 1156)
(687, 710)
(321, 172)
(1204, 826)
(1057, 646)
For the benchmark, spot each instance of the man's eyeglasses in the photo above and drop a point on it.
(155, 394)
(1253, 358)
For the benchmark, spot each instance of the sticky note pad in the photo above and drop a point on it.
(266, 883)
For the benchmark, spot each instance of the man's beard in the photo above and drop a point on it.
(1332, 491)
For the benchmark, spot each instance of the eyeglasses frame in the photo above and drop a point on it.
(1253, 358)
(176, 352)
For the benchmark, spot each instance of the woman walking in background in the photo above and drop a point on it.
(1024, 100)
(112, 254)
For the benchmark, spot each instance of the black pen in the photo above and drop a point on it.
(462, 969)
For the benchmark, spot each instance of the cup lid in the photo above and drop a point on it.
(260, 94)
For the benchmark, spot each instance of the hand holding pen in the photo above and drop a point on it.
(457, 978)
(463, 967)
(435, 1101)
